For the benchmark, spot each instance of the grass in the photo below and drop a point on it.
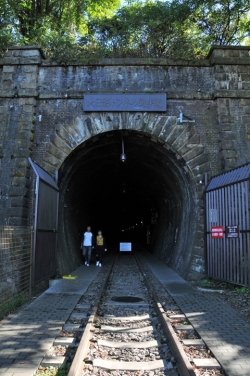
(17, 300)
(207, 283)
(242, 290)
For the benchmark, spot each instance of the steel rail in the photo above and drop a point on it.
(184, 366)
(77, 364)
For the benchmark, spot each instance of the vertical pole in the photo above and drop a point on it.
(31, 260)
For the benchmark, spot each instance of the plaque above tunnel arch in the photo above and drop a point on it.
(125, 102)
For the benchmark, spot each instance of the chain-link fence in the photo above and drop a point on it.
(15, 266)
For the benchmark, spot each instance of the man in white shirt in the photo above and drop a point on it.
(87, 242)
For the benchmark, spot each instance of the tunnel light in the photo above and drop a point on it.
(123, 156)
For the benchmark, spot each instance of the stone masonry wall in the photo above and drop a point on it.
(41, 104)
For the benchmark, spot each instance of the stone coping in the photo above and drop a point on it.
(227, 55)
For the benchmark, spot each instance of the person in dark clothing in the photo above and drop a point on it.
(100, 248)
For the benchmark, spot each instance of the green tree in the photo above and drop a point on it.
(184, 29)
(27, 16)
(223, 22)
(76, 30)
(153, 29)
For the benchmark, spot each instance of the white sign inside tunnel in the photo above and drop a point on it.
(125, 102)
(125, 247)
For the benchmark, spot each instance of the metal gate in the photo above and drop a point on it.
(227, 226)
(45, 225)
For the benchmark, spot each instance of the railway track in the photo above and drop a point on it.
(127, 324)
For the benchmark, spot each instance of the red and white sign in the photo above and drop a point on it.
(217, 232)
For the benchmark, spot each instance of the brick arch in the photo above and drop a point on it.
(180, 138)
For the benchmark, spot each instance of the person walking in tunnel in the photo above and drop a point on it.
(100, 248)
(87, 244)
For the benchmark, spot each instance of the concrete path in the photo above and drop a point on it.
(222, 328)
(26, 336)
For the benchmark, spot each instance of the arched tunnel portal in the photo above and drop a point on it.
(152, 192)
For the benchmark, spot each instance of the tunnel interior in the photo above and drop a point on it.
(147, 200)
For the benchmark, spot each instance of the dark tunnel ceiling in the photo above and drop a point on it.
(93, 176)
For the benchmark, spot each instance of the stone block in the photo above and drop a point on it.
(19, 181)
(226, 127)
(8, 93)
(226, 119)
(247, 110)
(18, 191)
(220, 76)
(8, 77)
(9, 69)
(200, 160)
(58, 142)
(227, 136)
(24, 135)
(244, 102)
(20, 153)
(7, 84)
(30, 60)
(194, 140)
(56, 152)
(228, 154)
(17, 221)
(30, 82)
(27, 101)
(31, 69)
(245, 77)
(17, 212)
(24, 144)
(50, 159)
(27, 92)
(194, 153)
(246, 85)
(223, 110)
(50, 169)
(22, 163)
(19, 201)
(242, 69)
(29, 109)
(18, 173)
(244, 53)
(30, 53)
(9, 60)
(226, 145)
(26, 122)
(245, 118)
(201, 169)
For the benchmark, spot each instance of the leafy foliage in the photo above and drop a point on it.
(80, 30)
(27, 16)
(12, 304)
(153, 30)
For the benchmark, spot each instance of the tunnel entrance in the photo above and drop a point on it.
(148, 200)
